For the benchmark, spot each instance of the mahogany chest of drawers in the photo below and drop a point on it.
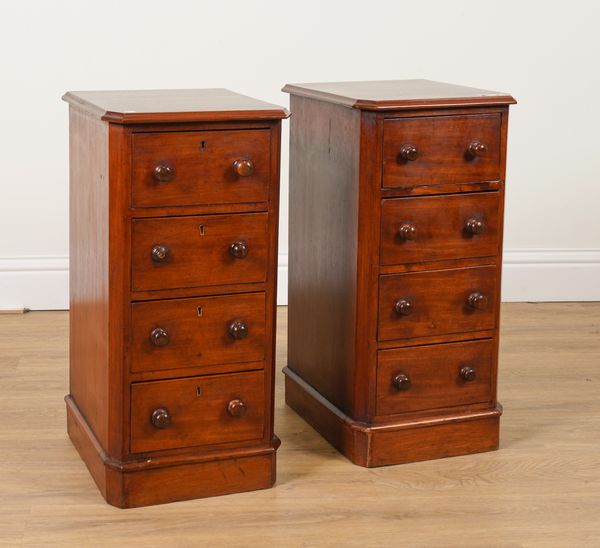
(396, 208)
(174, 217)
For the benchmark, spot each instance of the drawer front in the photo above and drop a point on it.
(439, 375)
(198, 332)
(421, 304)
(435, 228)
(200, 167)
(197, 411)
(441, 149)
(200, 250)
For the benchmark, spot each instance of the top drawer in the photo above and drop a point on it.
(435, 150)
(200, 167)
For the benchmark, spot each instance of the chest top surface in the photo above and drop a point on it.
(177, 105)
(398, 94)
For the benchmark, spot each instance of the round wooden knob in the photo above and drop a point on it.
(238, 330)
(478, 301)
(477, 148)
(160, 253)
(401, 382)
(243, 168)
(160, 418)
(403, 307)
(239, 249)
(236, 408)
(407, 231)
(159, 337)
(467, 373)
(408, 152)
(475, 226)
(164, 172)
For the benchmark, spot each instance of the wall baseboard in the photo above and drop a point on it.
(551, 275)
(37, 283)
(41, 283)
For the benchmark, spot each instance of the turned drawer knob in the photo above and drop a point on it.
(160, 253)
(243, 168)
(403, 307)
(159, 337)
(236, 408)
(408, 152)
(467, 373)
(238, 330)
(401, 382)
(163, 173)
(477, 148)
(478, 301)
(239, 249)
(475, 226)
(407, 231)
(160, 418)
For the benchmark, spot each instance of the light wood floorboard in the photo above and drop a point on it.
(542, 488)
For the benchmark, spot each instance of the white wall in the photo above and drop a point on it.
(545, 53)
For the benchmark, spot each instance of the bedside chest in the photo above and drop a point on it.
(173, 261)
(396, 207)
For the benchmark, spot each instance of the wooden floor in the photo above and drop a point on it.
(542, 488)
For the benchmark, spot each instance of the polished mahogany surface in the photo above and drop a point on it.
(398, 94)
(174, 220)
(396, 220)
(201, 167)
(438, 301)
(197, 411)
(443, 149)
(185, 105)
(434, 376)
(199, 250)
(451, 226)
(220, 332)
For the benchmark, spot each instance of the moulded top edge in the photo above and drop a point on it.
(398, 94)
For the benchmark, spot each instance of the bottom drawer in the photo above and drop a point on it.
(438, 375)
(197, 411)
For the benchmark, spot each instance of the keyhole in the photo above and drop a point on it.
(200, 311)
(201, 230)
(198, 391)
(202, 146)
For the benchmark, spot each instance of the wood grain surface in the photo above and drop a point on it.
(440, 227)
(433, 372)
(198, 333)
(202, 167)
(175, 105)
(199, 250)
(198, 410)
(438, 302)
(541, 489)
(442, 144)
(398, 94)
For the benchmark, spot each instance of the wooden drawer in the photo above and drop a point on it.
(432, 150)
(199, 250)
(197, 411)
(199, 167)
(435, 228)
(199, 332)
(420, 304)
(439, 375)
